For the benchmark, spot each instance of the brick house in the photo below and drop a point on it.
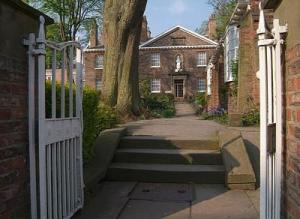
(174, 61)
(240, 49)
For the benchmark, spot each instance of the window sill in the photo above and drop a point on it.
(201, 91)
(155, 67)
(99, 68)
(201, 66)
(155, 92)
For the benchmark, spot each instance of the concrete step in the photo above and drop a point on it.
(154, 142)
(168, 156)
(209, 174)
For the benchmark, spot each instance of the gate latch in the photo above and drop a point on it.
(271, 141)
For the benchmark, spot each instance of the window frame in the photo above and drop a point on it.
(203, 85)
(98, 87)
(152, 85)
(154, 59)
(99, 65)
(231, 51)
(199, 60)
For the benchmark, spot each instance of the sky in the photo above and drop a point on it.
(164, 14)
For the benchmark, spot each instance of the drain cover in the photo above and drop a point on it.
(163, 192)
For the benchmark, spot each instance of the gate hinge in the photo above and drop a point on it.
(39, 52)
(26, 42)
(266, 42)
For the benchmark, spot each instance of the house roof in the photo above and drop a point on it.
(178, 27)
(29, 10)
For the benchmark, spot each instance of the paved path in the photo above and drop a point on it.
(133, 200)
(186, 125)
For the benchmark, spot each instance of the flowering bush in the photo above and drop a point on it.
(218, 114)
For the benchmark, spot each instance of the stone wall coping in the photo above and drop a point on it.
(105, 146)
(239, 170)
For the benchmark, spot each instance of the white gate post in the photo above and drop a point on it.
(41, 41)
(31, 123)
(271, 131)
(79, 113)
(263, 119)
(277, 31)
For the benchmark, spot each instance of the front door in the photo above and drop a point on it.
(178, 89)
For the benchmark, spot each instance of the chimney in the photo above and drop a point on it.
(212, 27)
(93, 42)
(145, 32)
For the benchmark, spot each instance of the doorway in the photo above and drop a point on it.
(178, 85)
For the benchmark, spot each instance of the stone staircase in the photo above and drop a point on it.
(156, 159)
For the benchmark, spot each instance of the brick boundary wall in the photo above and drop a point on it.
(14, 183)
(291, 165)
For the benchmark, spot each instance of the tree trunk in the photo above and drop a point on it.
(122, 30)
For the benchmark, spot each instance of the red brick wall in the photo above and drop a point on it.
(292, 141)
(15, 24)
(248, 83)
(13, 144)
(92, 74)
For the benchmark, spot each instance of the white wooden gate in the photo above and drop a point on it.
(271, 113)
(60, 178)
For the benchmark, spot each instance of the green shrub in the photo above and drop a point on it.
(217, 114)
(251, 118)
(144, 88)
(90, 104)
(107, 117)
(159, 105)
(200, 99)
(169, 113)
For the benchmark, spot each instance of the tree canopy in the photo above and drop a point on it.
(223, 10)
(203, 28)
(71, 16)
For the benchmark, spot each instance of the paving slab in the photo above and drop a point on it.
(254, 197)
(141, 209)
(222, 204)
(107, 201)
(163, 192)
